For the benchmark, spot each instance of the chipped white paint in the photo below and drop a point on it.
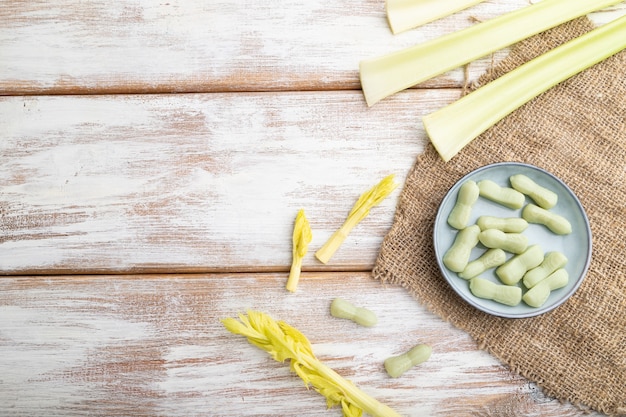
(141, 45)
(211, 182)
(128, 345)
(200, 181)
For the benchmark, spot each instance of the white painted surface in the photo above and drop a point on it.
(211, 183)
(127, 345)
(139, 45)
(178, 44)
(199, 181)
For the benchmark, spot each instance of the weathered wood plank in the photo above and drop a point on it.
(153, 345)
(140, 46)
(196, 182)
(211, 182)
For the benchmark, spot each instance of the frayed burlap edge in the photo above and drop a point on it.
(407, 257)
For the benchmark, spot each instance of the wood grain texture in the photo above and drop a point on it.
(154, 346)
(202, 190)
(196, 182)
(140, 46)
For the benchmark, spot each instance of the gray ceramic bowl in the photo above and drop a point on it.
(575, 246)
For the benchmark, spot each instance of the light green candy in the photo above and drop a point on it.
(542, 196)
(343, 309)
(457, 257)
(512, 271)
(510, 242)
(504, 294)
(557, 224)
(490, 259)
(538, 295)
(551, 262)
(504, 224)
(460, 213)
(397, 365)
(506, 196)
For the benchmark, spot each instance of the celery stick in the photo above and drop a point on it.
(403, 15)
(386, 75)
(454, 126)
(284, 342)
(360, 210)
(301, 238)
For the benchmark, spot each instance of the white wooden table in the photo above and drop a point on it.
(153, 156)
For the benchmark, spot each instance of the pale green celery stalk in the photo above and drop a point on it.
(403, 15)
(454, 126)
(386, 75)
(284, 342)
(360, 210)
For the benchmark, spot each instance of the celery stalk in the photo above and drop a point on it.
(359, 211)
(284, 342)
(454, 126)
(403, 15)
(301, 238)
(386, 75)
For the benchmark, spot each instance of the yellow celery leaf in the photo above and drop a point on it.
(359, 211)
(283, 342)
(293, 333)
(349, 410)
(302, 236)
(373, 197)
(329, 390)
(234, 326)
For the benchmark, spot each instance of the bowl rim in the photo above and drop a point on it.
(539, 310)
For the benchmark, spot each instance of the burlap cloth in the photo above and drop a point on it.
(577, 131)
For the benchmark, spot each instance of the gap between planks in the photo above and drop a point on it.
(185, 271)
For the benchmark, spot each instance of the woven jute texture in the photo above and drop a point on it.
(577, 131)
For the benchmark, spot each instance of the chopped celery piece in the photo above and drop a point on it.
(403, 15)
(386, 75)
(302, 236)
(454, 126)
(359, 211)
(284, 342)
